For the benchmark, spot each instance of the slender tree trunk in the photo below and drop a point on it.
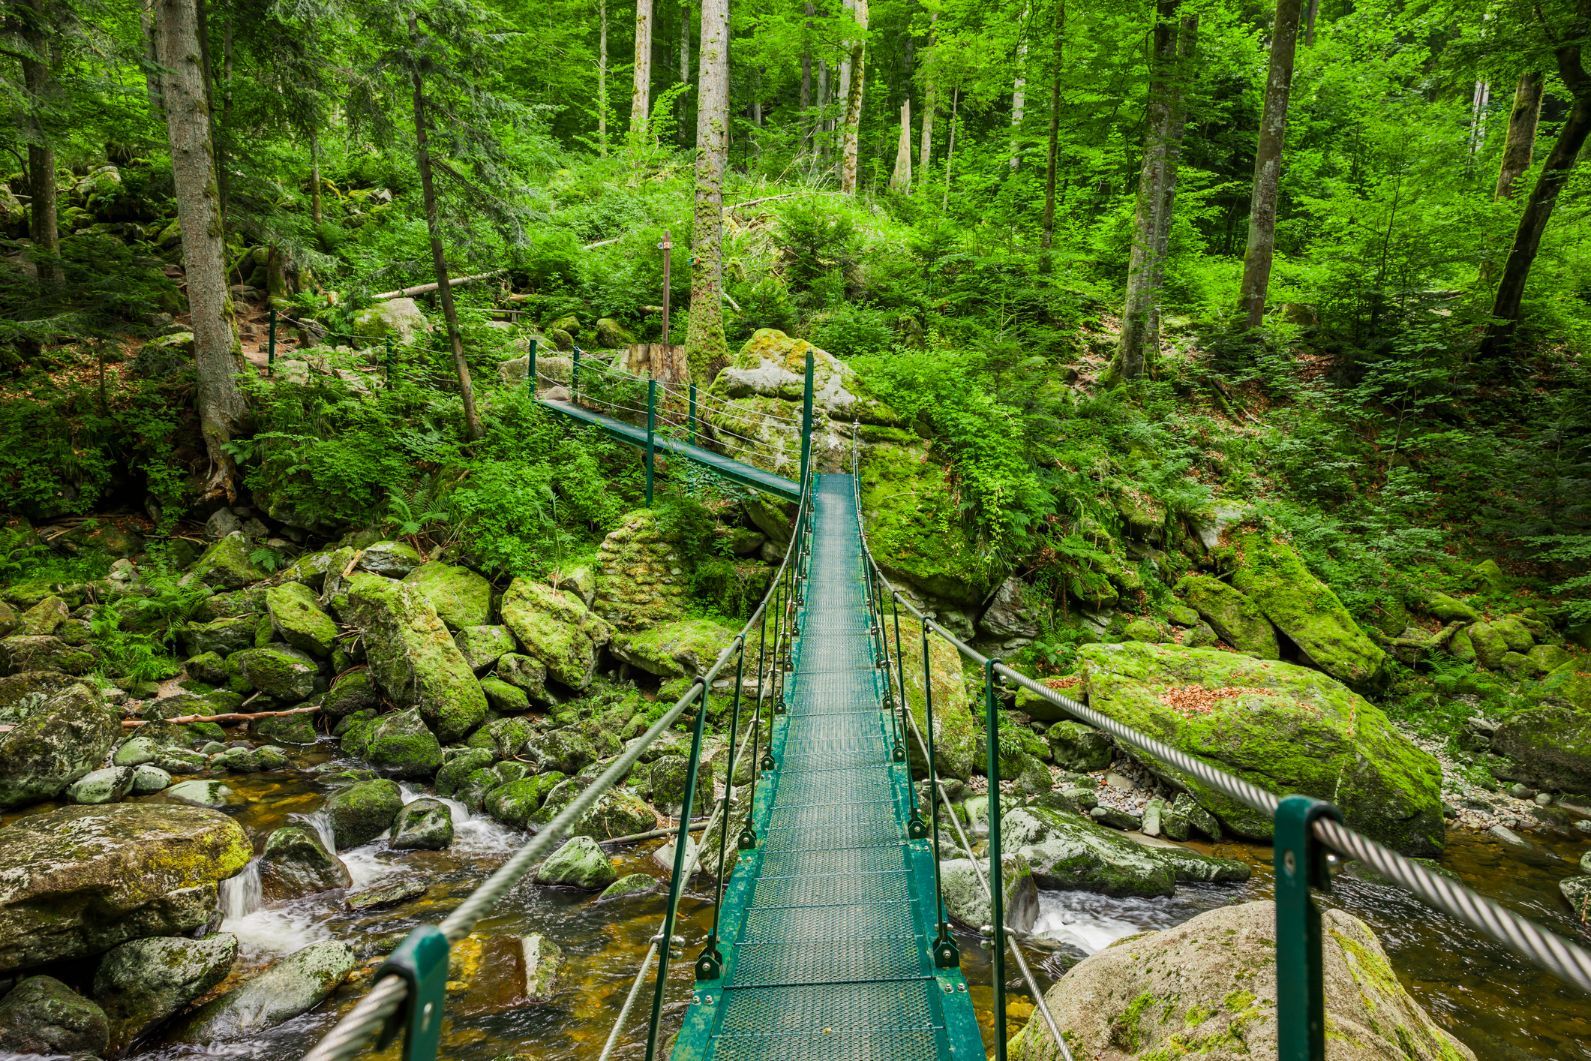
(822, 125)
(1140, 337)
(684, 62)
(146, 22)
(1257, 260)
(809, 9)
(433, 227)
(183, 81)
(950, 146)
(602, 78)
(1479, 101)
(1519, 147)
(853, 100)
(1310, 14)
(1019, 83)
(704, 339)
(1187, 45)
(39, 81)
(223, 127)
(641, 93)
(925, 149)
(1053, 140)
(314, 173)
(901, 180)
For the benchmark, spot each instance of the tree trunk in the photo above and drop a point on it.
(433, 227)
(950, 146)
(1309, 23)
(901, 180)
(853, 100)
(39, 81)
(1140, 334)
(182, 89)
(314, 174)
(1538, 211)
(1479, 101)
(641, 93)
(684, 61)
(1019, 96)
(1519, 146)
(704, 338)
(1261, 251)
(1053, 142)
(602, 78)
(806, 67)
(822, 127)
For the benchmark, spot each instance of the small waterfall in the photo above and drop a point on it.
(320, 824)
(241, 895)
(473, 834)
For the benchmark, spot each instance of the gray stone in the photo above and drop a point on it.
(543, 962)
(101, 786)
(295, 863)
(423, 825)
(294, 985)
(968, 903)
(363, 811)
(387, 893)
(54, 740)
(579, 863)
(200, 793)
(42, 1016)
(141, 983)
(149, 779)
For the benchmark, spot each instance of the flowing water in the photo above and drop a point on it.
(1495, 1003)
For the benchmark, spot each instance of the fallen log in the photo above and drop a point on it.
(426, 289)
(231, 716)
(655, 834)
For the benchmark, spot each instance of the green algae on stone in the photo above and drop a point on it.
(423, 825)
(484, 645)
(516, 802)
(1271, 574)
(556, 628)
(54, 739)
(42, 1016)
(1237, 620)
(579, 863)
(460, 597)
(684, 647)
(402, 745)
(412, 656)
(295, 863)
(525, 672)
(1283, 727)
(629, 886)
(352, 691)
(459, 765)
(504, 698)
(142, 982)
(1549, 747)
(363, 811)
(228, 564)
(297, 618)
(282, 675)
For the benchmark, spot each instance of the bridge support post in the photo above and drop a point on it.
(270, 346)
(530, 368)
(991, 726)
(690, 417)
(421, 961)
(806, 422)
(574, 378)
(1300, 990)
(651, 438)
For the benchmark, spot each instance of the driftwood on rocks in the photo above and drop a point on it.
(232, 716)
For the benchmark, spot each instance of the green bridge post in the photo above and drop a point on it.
(991, 725)
(574, 378)
(651, 437)
(270, 346)
(386, 358)
(690, 418)
(1300, 990)
(530, 368)
(806, 422)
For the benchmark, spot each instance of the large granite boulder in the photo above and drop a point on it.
(141, 983)
(57, 736)
(294, 985)
(1548, 747)
(1207, 988)
(412, 656)
(80, 880)
(556, 628)
(1234, 617)
(298, 619)
(460, 596)
(1286, 728)
(640, 576)
(363, 811)
(42, 1017)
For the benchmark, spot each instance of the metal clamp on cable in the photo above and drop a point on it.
(421, 962)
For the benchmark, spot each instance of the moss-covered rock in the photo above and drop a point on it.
(913, 525)
(505, 699)
(1068, 851)
(640, 579)
(629, 886)
(423, 825)
(363, 811)
(280, 674)
(228, 564)
(294, 985)
(44, 618)
(665, 784)
(20, 653)
(483, 646)
(968, 904)
(222, 636)
(413, 657)
(525, 672)
(1236, 619)
(1283, 727)
(390, 558)
(207, 667)
(506, 737)
(460, 597)
(41, 1016)
(1548, 747)
(1271, 574)
(672, 649)
(955, 733)
(579, 863)
(402, 745)
(557, 629)
(141, 983)
(106, 785)
(352, 691)
(200, 793)
(1075, 746)
(79, 880)
(1207, 988)
(615, 814)
(55, 738)
(458, 766)
(517, 802)
(295, 863)
(297, 618)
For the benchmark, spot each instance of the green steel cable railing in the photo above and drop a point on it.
(1307, 830)
(409, 992)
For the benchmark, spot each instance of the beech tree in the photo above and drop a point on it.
(853, 92)
(1520, 144)
(38, 81)
(1261, 251)
(641, 90)
(704, 338)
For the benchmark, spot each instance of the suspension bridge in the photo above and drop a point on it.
(829, 935)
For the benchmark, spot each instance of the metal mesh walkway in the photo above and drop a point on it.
(826, 924)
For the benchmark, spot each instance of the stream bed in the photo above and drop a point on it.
(1497, 1004)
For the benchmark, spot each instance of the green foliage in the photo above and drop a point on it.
(136, 634)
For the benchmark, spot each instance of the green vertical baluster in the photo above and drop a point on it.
(710, 964)
(996, 865)
(530, 368)
(676, 884)
(690, 418)
(767, 761)
(806, 423)
(1300, 867)
(651, 437)
(270, 346)
(748, 833)
(574, 378)
(421, 962)
(916, 828)
(947, 955)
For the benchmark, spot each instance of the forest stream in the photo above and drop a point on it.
(1498, 1005)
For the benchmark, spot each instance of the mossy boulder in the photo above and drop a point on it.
(143, 982)
(20, 652)
(294, 985)
(1234, 617)
(615, 814)
(955, 733)
(505, 699)
(913, 525)
(207, 667)
(412, 656)
(423, 825)
(80, 880)
(228, 564)
(402, 745)
(1207, 988)
(556, 628)
(280, 674)
(968, 904)
(43, 1017)
(579, 863)
(482, 646)
(684, 647)
(517, 802)
(1075, 746)
(459, 765)
(44, 618)
(295, 863)
(525, 672)
(460, 596)
(222, 636)
(297, 618)
(200, 793)
(363, 811)
(665, 778)
(1272, 575)
(106, 785)
(629, 886)
(1070, 851)
(1547, 747)
(640, 576)
(392, 559)
(352, 691)
(55, 738)
(1285, 728)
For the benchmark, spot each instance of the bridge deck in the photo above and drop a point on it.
(826, 925)
(745, 474)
